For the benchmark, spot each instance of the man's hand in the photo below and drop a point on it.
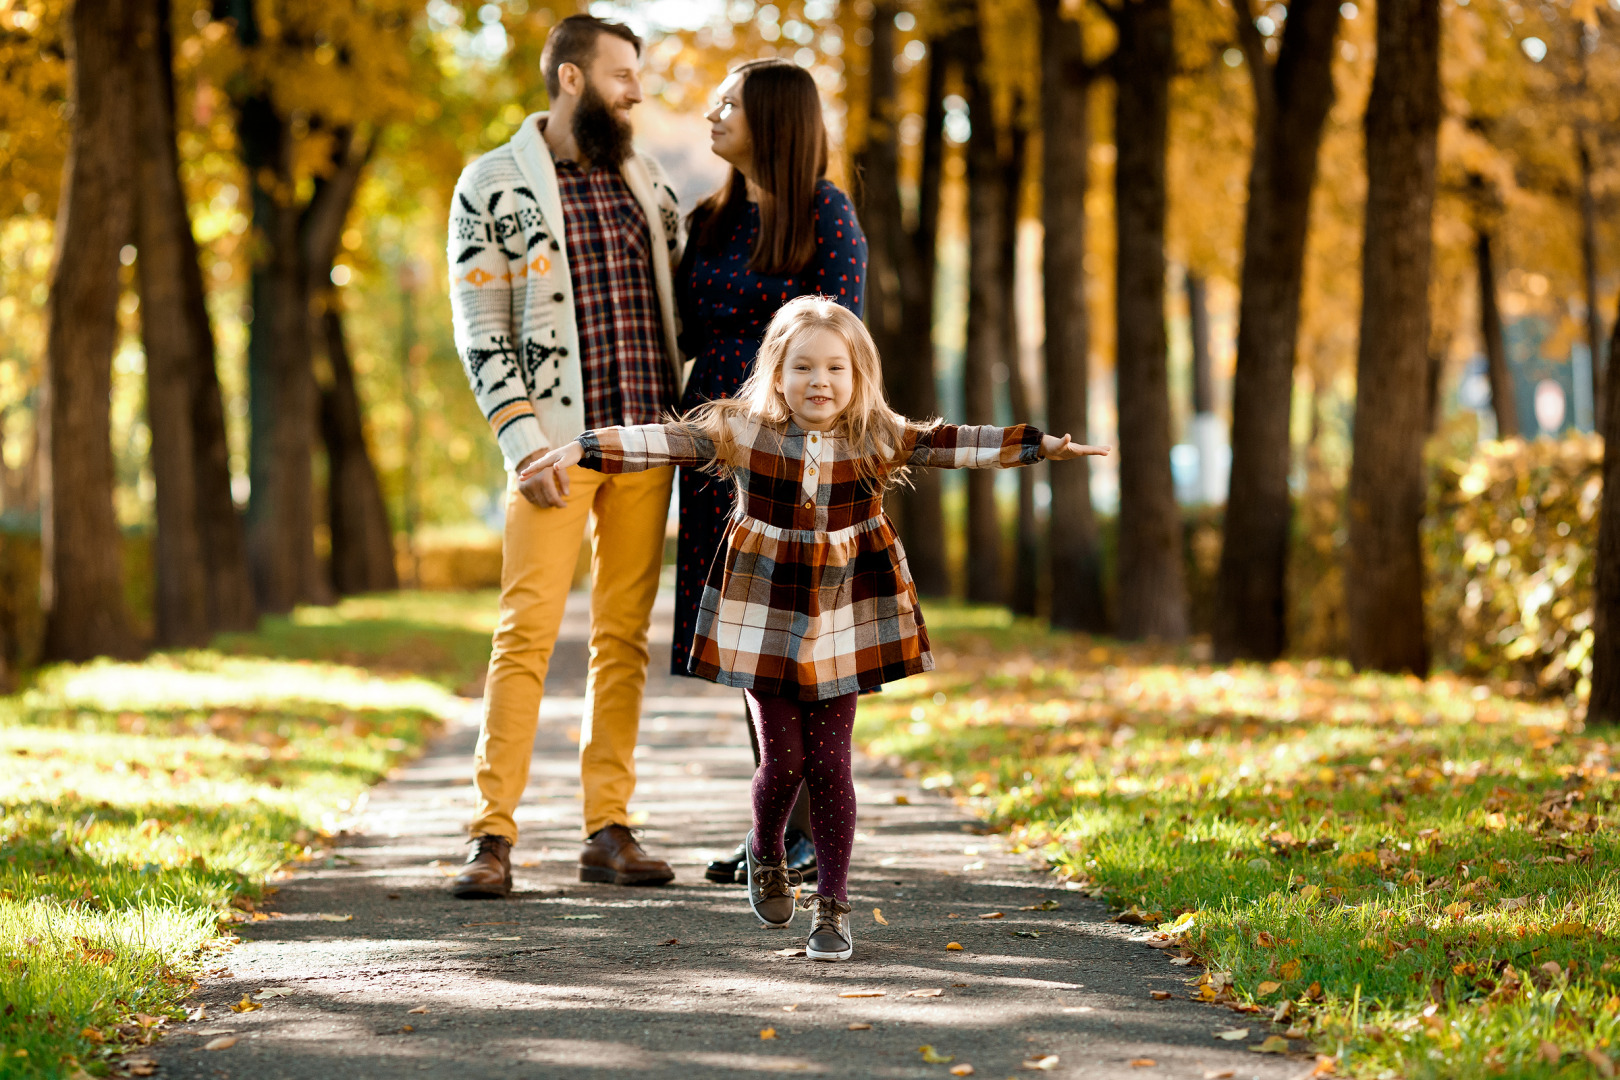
(544, 480)
(1056, 449)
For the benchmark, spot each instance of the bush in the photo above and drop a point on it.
(1512, 544)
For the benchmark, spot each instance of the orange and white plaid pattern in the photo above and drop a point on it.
(813, 598)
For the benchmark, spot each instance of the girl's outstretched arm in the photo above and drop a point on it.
(951, 446)
(629, 449)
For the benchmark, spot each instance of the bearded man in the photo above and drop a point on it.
(561, 248)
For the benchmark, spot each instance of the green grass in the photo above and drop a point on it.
(145, 807)
(1426, 870)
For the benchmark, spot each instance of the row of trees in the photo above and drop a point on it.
(1289, 53)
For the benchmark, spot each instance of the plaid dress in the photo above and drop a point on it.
(813, 598)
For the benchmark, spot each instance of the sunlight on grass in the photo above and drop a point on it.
(1423, 871)
(143, 806)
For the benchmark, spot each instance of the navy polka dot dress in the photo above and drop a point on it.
(725, 308)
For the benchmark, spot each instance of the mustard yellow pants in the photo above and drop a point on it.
(626, 512)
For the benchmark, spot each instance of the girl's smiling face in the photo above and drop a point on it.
(817, 379)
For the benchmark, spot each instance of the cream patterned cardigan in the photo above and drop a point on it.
(512, 297)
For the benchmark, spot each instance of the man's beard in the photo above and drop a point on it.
(602, 137)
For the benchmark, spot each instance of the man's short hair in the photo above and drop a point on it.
(573, 41)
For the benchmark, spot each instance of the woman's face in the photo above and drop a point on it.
(728, 125)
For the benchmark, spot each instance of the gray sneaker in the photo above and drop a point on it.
(830, 939)
(770, 887)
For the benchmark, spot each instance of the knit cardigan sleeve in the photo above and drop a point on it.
(949, 446)
(483, 235)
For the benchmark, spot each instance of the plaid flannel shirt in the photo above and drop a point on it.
(628, 379)
(813, 598)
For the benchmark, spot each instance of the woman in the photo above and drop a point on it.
(777, 229)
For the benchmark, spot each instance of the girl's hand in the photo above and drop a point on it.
(545, 482)
(1056, 449)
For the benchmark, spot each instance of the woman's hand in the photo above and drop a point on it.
(545, 482)
(1056, 449)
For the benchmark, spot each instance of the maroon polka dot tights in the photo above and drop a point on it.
(806, 742)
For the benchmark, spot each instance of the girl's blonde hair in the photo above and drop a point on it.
(874, 431)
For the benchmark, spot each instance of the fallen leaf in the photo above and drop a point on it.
(1219, 1074)
(863, 993)
(418, 1009)
(1514, 903)
(1600, 1061)
(1296, 1033)
(860, 1027)
(923, 993)
(247, 1004)
(138, 1066)
(1497, 820)
(1143, 1063)
(273, 992)
(1326, 1065)
(1182, 961)
(1159, 995)
(1030, 933)
(963, 1069)
(992, 915)
(1269, 988)
(767, 1033)
(934, 1057)
(954, 947)
(877, 916)
(901, 800)
(1044, 905)
(1274, 1044)
(224, 1042)
(1551, 1051)
(790, 1008)
(788, 952)
(407, 1027)
(1045, 1063)
(671, 941)
(1233, 1034)
(335, 918)
(1290, 970)
(1314, 992)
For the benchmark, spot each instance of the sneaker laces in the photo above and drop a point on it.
(829, 913)
(775, 881)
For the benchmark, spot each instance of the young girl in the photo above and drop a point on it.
(812, 602)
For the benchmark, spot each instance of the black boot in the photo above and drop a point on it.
(730, 869)
(801, 853)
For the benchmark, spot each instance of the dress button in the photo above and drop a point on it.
(808, 505)
(556, 297)
(811, 470)
(567, 401)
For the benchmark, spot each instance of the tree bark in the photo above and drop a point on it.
(987, 323)
(362, 537)
(1589, 273)
(1503, 402)
(1384, 580)
(1025, 598)
(202, 582)
(1152, 592)
(1603, 706)
(81, 586)
(900, 282)
(1077, 595)
(1292, 100)
(281, 382)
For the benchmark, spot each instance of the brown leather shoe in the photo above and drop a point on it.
(488, 873)
(613, 855)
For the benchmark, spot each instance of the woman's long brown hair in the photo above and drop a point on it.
(783, 109)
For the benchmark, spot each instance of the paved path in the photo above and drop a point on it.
(595, 981)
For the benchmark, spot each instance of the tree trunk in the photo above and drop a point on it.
(1603, 707)
(1152, 593)
(281, 383)
(1292, 99)
(201, 568)
(987, 322)
(1384, 579)
(900, 283)
(1503, 403)
(81, 580)
(1027, 544)
(362, 537)
(1589, 274)
(1077, 595)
